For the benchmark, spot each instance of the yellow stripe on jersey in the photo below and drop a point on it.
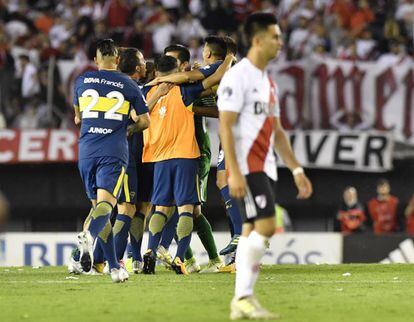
(104, 104)
(126, 189)
(198, 188)
(118, 183)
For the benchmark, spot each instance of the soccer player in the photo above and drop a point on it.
(249, 130)
(170, 143)
(139, 176)
(214, 56)
(103, 101)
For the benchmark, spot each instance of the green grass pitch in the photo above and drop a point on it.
(298, 293)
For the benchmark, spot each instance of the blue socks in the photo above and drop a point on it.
(169, 230)
(136, 232)
(184, 232)
(232, 211)
(120, 231)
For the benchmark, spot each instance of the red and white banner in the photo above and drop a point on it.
(377, 96)
(34, 146)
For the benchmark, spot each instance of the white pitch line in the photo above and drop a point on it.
(214, 281)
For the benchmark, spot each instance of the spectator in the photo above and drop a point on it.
(30, 80)
(118, 14)
(360, 19)
(409, 217)
(395, 56)
(189, 27)
(163, 33)
(299, 38)
(383, 210)
(351, 215)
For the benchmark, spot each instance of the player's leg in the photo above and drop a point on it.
(126, 211)
(163, 199)
(201, 224)
(186, 195)
(145, 179)
(258, 211)
(232, 208)
(109, 179)
(168, 234)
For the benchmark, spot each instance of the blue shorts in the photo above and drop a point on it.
(102, 173)
(176, 183)
(130, 187)
(221, 162)
(145, 175)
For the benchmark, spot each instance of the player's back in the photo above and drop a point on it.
(104, 98)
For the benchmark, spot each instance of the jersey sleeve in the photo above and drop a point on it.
(210, 69)
(230, 93)
(138, 102)
(190, 92)
(75, 101)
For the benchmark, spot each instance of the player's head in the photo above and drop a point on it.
(215, 48)
(132, 62)
(106, 53)
(383, 187)
(350, 196)
(231, 45)
(181, 53)
(165, 65)
(263, 33)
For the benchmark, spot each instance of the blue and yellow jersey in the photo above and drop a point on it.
(209, 70)
(105, 99)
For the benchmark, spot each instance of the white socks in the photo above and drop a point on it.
(250, 251)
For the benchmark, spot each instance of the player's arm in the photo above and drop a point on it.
(179, 78)
(142, 121)
(284, 149)
(206, 111)
(78, 118)
(161, 91)
(216, 77)
(237, 182)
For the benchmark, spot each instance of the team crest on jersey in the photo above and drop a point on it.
(261, 201)
(162, 111)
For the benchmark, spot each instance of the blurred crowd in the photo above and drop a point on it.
(32, 32)
(383, 214)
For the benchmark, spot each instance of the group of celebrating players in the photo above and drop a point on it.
(144, 149)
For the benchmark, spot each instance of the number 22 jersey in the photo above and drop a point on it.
(105, 99)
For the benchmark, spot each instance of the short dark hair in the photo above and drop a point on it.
(128, 60)
(231, 45)
(107, 47)
(217, 45)
(165, 63)
(382, 181)
(183, 52)
(257, 22)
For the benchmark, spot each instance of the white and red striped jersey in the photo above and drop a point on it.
(252, 94)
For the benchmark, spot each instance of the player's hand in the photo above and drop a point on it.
(164, 88)
(237, 185)
(77, 121)
(154, 82)
(196, 65)
(304, 186)
(131, 129)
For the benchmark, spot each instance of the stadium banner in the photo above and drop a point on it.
(44, 249)
(358, 151)
(368, 151)
(375, 96)
(370, 248)
(35, 146)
